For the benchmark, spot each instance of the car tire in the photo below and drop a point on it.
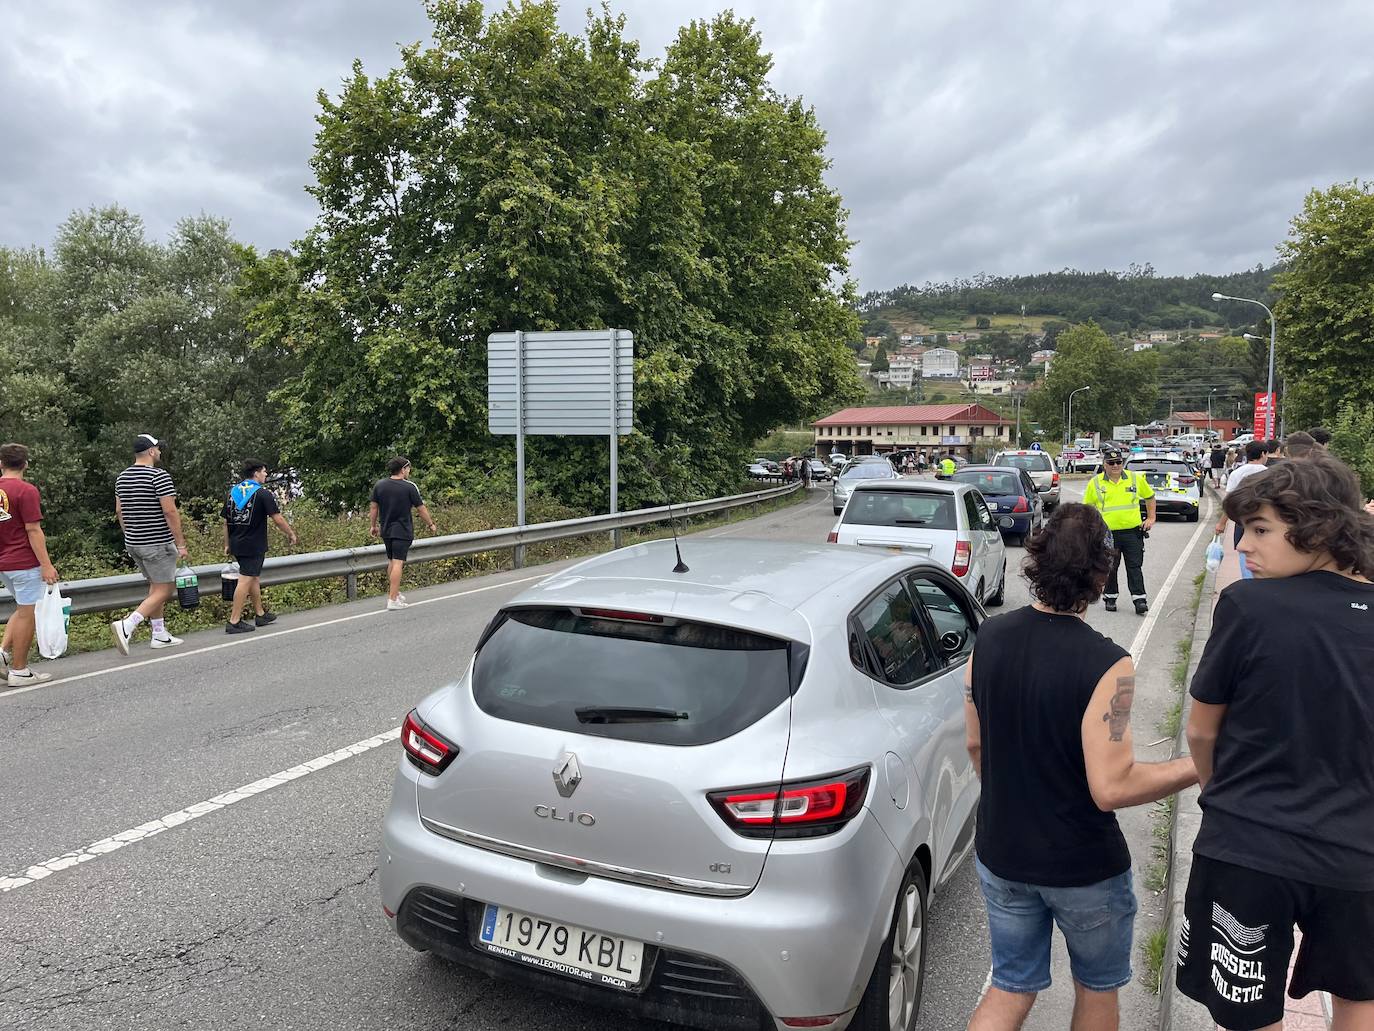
(1192, 516)
(978, 594)
(997, 599)
(901, 963)
(1016, 540)
(837, 511)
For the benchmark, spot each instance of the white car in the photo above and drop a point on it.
(859, 471)
(1042, 468)
(944, 520)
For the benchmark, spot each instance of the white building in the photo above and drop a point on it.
(1142, 345)
(903, 370)
(940, 363)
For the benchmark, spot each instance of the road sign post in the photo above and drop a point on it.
(561, 383)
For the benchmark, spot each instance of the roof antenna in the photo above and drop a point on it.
(681, 566)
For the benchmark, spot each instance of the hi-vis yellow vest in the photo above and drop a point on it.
(1119, 502)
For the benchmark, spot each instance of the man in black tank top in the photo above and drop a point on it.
(1048, 710)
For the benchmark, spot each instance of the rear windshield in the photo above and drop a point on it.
(1156, 465)
(1030, 463)
(869, 471)
(901, 508)
(539, 666)
(992, 483)
(1156, 479)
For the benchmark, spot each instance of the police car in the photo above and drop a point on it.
(1172, 497)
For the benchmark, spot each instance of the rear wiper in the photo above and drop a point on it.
(612, 714)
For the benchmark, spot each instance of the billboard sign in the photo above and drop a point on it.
(1265, 421)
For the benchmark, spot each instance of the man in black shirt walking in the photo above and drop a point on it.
(245, 514)
(392, 501)
(1048, 714)
(1282, 731)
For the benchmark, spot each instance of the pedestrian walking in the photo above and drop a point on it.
(1300, 445)
(1216, 461)
(246, 513)
(1256, 461)
(1117, 495)
(25, 567)
(1286, 761)
(393, 498)
(922, 462)
(1048, 721)
(1321, 436)
(805, 473)
(146, 508)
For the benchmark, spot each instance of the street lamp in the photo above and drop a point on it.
(1068, 436)
(1273, 339)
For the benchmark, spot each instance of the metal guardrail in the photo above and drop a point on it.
(101, 594)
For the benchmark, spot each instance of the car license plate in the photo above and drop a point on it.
(591, 956)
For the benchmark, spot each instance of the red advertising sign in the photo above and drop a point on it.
(1265, 421)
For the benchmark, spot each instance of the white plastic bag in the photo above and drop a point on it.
(52, 614)
(1214, 553)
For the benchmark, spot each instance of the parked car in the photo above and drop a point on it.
(856, 472)
(1011, 497)
(1186, 473)
(635, 795)
(943, 520)
(769, 464)
(819, 470)
(759, 471)
(1241, 440)
(1042, 468)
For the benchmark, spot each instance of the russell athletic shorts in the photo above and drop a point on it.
(157, 562)
(397, 548)
(1096, 920)
(1237, 938)
(25, 584)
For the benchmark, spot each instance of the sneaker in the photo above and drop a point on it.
(1141, 606)
(1109, 604)
(399, 602)
(26, 677)
(121, 636)
(241, 627)
(166, 642)
(266, 619)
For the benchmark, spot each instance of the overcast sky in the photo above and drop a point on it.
(966, 135)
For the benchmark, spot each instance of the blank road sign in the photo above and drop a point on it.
(567, 382)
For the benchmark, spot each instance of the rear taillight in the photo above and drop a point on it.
(833, 537)
(426, 749)
(962, 554)
(1054, 480)
(1022, 505)
(798, 809)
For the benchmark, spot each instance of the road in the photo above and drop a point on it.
(259, 908)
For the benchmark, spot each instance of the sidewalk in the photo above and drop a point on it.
(1176, 1011)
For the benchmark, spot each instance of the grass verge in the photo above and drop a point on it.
(1152, 950)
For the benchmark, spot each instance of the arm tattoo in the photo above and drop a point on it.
(968, 692)
(1120, 715)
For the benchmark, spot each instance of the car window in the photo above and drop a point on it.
(869, 471)
(985, 519)
(1039, 463)
(975, 520)
(1028, 485)
(993, 483)
(955, 627)
(894, 629)
(540, 665)
(901, 508)
(1157, 479)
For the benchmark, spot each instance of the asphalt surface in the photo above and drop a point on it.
(261, 910)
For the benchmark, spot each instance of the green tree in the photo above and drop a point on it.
(513, 176)
(983, 322)
(1121, 384)
(880, 363)
(1352, 439)
(1325, 311)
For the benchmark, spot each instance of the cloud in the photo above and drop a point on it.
(964, 137)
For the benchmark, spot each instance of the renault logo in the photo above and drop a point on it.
(567, 774)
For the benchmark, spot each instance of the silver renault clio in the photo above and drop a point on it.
(720, 796)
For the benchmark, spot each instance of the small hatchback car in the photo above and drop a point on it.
(721, 797)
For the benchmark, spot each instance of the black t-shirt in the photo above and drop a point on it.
(1218, 459)
(395, 499)
(248, 525)
(1292, 788)
(1033, 676)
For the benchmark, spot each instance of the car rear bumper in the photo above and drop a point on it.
(1174, 506)
(800, 944)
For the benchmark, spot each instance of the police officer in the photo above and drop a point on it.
(947, 466)
(1117, 494)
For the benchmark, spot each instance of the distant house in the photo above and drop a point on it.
(940, 362)
(903, 369)
(905, 338)
(1197, 422)
(872, 341)
(981, 369)
(955, 427)
(1209, 336)
(1159, 336)
(1142, 345)
(1042, 357)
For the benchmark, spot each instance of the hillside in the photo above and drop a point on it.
(1118, 301)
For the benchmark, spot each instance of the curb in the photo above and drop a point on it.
(1187, 821)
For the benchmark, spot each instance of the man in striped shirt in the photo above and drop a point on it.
(146, 507)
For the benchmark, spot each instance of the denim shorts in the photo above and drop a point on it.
(1097, 921)
(25, 584)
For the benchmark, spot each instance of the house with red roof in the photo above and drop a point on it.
(957, 428)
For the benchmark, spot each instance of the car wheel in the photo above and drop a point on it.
(1017, 540)
(837, 511)
(978, 593)
(1193, 516)
(1001, 594)
(892, 1000)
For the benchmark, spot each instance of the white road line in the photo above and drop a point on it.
(273, 635)
(1142, 636)
(143, 831)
